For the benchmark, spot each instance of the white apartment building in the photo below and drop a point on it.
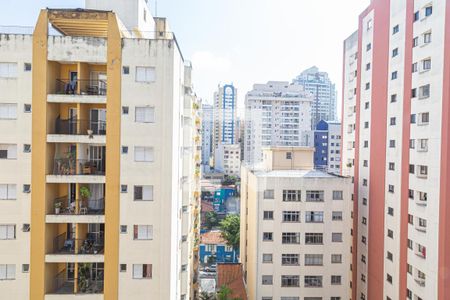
(295, 228)
(276, 114)
(99, 156)
(207, 133)
(323, 91)
(401, 141)
(228, 159)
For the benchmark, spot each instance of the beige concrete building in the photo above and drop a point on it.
(295, 228)
(105, 170)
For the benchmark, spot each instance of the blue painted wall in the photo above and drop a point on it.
(222, 256)
(221, 196)
(321, 145)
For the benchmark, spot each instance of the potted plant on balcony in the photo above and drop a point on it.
(83, 274)
(58, 208)
(85, 192)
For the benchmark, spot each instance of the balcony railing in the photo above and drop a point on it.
(81, 87)
(91, 245)
(66, 286)
(68, 166)
(80, 127)
(80, 207)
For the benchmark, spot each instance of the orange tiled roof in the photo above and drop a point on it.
(212, 238)
(231, 275)
(207, 206)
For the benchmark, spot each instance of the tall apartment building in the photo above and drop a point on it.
(327, 144)
(295, 228)
(276, 114)
(401, 155)
(114, 202)
(228, 159)
(207, 133)
(324, 106)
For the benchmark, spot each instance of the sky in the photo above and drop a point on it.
(241, 41)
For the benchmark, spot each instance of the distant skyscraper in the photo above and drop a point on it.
(207, 129)
(324, 94)
(276, 114)
(327, 141)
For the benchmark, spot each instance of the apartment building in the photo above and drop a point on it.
(207, 133)
(323, 90)
(86, 162)
(225, 115)
(276, 114)
(228, 159)
(295, 228)
(401, 140)
(327, 144)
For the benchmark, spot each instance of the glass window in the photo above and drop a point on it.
(143, 193)
(145, 114)
(143, 154)
(313, 259)
(145, 74)
(143, 232)
(142, 271)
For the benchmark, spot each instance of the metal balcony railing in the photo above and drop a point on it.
(62, 285)
(81, 87)
(80, 127)
(93, 244)
(80, 207)
(68, 166)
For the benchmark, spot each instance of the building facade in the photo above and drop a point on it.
(276, 114)
(207, 133)
(228, 159)
(90, 157)
(324, 106)
(225, 116)
(214, 249)
(327, 144)
(400, 129)
(295, 228)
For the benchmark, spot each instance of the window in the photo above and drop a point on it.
(267, 279)
(389, 278)
(314, 217)
(395, 29)
(394, 75)
(366, 144)
(8, 70)
(391, 188)
(290, 238)
(291, 216)
(314, 196)
(416, 16)
(7, 192)
(365, 163)
(336, 216)
(267, 298)
(143, 193)
(313, 281)
(7, 272)
(369, 24)
(364, 220)
(314, 238)
(427, 37)
(336, 237)
(364, 201)
(415, 42)
(391, 166)
(290, 280)
(143, 232)
(390, 211)
(123, 228)
(25, 268)
(423, 170)
(26, 227)
(26, 148)
(123, 267)
(426, 64)
(27, 67)
(424, 118)
(428, 11)
(8, 111)
(424, 91)
(145, 114)
(413, 119)
(145, 74)
(364, 182)
(268, 215)
(126, 70)
(267, 236)
(392, 121)
(313, 259)
(291, 195)
(391, 143)
(267, 258)
(143, 154)
(7, 232)
(26, 188)
(411, 169)
(368, 47)
(335, 279)
(268, 194)
(413, 93)
(414, 67)
(27, 108)
(288, 155)
(422, 145)
(123, 188)
(395, 52)
(368, 66)
(390, 233)
(290, 259)
(142, 271)
(393, 98)
(367, 85)
(338, 195)
(8, 151)
(336, 258)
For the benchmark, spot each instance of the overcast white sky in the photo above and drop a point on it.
(242, 41)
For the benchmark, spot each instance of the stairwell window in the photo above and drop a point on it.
(8, 111)
(142, 271)
(8, 151)
(143, 154)
(145, 74)
(8, 70)
(8, 192)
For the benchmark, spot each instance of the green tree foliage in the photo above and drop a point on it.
(230, 227)
(211, 219)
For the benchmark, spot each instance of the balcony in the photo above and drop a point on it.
(78, 131)
(70, 170)
(79, 91)
(77, 250)
(77, 211)
(89, 283)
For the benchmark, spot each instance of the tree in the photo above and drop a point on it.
(206, 296)
(225, 293)
(211, 219)
(230, 227)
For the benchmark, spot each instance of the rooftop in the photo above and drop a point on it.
(213, 237)
(295, 174)
(231, 275)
